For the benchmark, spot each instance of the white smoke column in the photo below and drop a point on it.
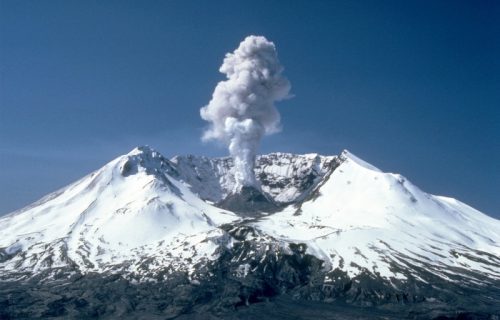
(242, 108)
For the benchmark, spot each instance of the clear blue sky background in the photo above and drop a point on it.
(411, 87)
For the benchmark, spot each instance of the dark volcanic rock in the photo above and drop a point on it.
(248, 201)
(274, 283)
(255, 278)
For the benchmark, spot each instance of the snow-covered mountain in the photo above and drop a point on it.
(364, 219)
(337, 224)
(129, 209)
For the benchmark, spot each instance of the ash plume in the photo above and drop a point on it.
(242, 108)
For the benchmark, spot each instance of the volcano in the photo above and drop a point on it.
(322, 236)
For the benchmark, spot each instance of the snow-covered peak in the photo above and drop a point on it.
(128, 206)
(348, 156)
(361, 218)
(144, 158)
(144, 150)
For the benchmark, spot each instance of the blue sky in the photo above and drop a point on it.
(411, 87)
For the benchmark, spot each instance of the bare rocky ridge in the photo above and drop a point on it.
(284, 178)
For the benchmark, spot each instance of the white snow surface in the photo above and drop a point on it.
(364, 219)
(349, 213)
(125, 210)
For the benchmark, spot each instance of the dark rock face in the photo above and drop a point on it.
(248, 201)
(256, 278)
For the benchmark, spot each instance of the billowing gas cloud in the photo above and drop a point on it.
(242, 108)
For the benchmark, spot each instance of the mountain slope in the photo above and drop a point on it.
(123, 211)
(365, 219)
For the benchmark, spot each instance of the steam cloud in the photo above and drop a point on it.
(242, 108)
